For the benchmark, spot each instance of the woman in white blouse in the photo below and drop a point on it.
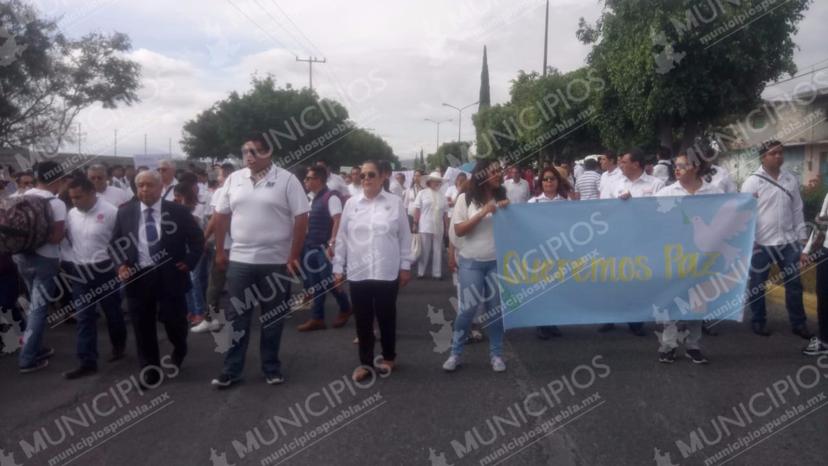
(474, 228)
(553, 187)
(373, 248)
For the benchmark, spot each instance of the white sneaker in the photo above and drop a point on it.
(214, 325)
(201, 327)
(451, 363)
(497, 364)
(815, 348)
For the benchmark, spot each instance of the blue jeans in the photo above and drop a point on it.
(478, 284)
(786, 258)
(196, 297)
(101, 287)
(319, 280)
(40, 275)
(248, 285)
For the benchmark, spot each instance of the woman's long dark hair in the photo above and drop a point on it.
(478, 184)
(564, 187)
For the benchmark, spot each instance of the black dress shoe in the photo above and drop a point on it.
(803, 332)
(81, 371)
(759, 329)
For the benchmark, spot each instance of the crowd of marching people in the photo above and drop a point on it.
(158, 245)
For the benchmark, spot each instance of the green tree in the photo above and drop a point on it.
(676, 68)
(46, 78)
(551, 115)
(300, 127)
(449, 154)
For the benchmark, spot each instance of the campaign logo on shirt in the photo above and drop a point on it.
(100, 218)
(270, 184)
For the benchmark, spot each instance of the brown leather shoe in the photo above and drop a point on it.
(342, 319)
(311, 325)
(360, 374)
(384, 366)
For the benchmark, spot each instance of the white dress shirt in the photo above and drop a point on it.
(337, 183)
(168, 193)
(662, 170)
(354, 189)
(644, 186)
(676, 189)
(144, 257)
(263, 214)
(780, 219)
(408, 198)
(517, 191)
(542, 197)
(723, 179)
(115, 196)
(433, 207)
(90, 232)
(607, 180)
(396, 188)
(374, 239)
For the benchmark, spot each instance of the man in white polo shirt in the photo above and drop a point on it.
(40, 268)
(608, 161)
(270, 220)
(89, 228)
(518, 190)
(98, 176)
(781, 234)
(633, 182)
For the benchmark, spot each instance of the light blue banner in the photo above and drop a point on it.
(644, 259)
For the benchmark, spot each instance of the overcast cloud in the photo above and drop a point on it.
(392, 63)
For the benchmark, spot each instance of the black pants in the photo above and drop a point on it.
(370, 299)
(822, 293)
(147, 305)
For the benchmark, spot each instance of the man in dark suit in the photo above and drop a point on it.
(155, 244)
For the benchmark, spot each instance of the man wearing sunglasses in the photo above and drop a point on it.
(270, 218)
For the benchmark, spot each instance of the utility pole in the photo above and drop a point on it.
(311, 61)
(438, 123)
(546, 38)
(459, 116)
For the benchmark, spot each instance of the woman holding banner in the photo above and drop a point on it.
(474, 226)
(693, 177)
(552, 187)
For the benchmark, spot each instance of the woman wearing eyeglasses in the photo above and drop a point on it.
(373, 250)
(552, 187)
(693, 178)
(474, 226)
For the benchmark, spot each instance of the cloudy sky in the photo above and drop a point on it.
(392, 63)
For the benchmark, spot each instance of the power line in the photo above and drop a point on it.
(776, 83)
(269, 15)
(265, 31)
(297, 27)
(311, 61)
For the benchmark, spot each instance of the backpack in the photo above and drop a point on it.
(25, 222)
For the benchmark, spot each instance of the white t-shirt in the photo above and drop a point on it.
(542, 197)
(451, 196)
(478, 244)
(517, 191)
(433, 207)
(676, 189)
(263, 214)
(607, 180)
(644, 186)
(723, 179)
(49, 250)
(115, 196)
(396, 188)
(337, 183)
(90, 232)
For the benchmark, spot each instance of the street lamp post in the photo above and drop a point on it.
(459, 116)
(438, 123)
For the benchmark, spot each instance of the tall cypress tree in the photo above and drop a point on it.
(485, 98)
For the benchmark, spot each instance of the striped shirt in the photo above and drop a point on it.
(588, 185)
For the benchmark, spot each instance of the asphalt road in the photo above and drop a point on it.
(585, 398)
